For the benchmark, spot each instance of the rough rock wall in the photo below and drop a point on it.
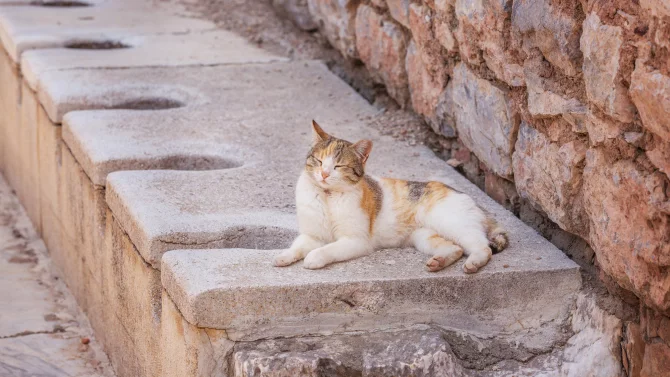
(563, 104)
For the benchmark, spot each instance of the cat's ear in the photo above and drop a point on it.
(363, 148)
(318, 134)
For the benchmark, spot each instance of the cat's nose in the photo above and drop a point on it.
(324, 174)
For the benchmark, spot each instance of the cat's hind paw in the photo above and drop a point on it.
(285, 258)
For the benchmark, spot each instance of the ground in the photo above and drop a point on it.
(42, 331)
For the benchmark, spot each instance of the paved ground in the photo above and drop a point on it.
(42, 331)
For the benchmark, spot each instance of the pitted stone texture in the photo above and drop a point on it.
(601, 45)
(543, 102)
(337, 19)
(381, 46)
(659, 8)
(25, 28)
(399, 10)
(550, 175)
(629, 226)
(487, 123)
(165, 50)
(555, 32)
(416, 353)
(650, 91)
(482, 34)
(425, 88)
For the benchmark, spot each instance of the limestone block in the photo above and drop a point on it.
(381, 46)
(217, 289)
(482, 34)
(628, 230)
(188, 351)
(550, 175)
(132, 292)
(601, 45)
(399, 10)
(555, 32)
(297, 11)
(28, 191)
(9, 121)
(337, 19)
(487, 122)
(650, 91)
(425, 88)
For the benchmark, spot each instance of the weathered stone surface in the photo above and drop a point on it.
(656, 361)
(633, 350)
(381, 46)
(24, 28)
(650, 91)
(297, 11)
(399, 10)
(165, 50)
(336, 18)
(421, 25)
(542, 102)
(660, 156)
(594, 350)
(445, 36)
(413, 356)
(601, 45)
(629, 229)
(425, 88)
(487, 123)
(550, 175)
(657, 8)
(602, 130)
(555, 32)
(190, 351)
(482, 35)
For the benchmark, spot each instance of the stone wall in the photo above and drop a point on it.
(561, 106)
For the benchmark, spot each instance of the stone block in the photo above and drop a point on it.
(421, 21)
(425, 88)
(9, 121)
(215, 289)
(601, 46)
(656, 362)
(483, 33)
(29, 190)
(628, 230)
(337, 20)
(658, 8)
(381, 46)
(132, 292)
(486, 120)
(650, 91)
(543, 102)
(660, 156)
(399, 10)
(554, 31)
(550, 175)
(188, 351)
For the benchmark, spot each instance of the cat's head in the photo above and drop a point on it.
(334, 163)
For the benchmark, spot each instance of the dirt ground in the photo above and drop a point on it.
(42, 330)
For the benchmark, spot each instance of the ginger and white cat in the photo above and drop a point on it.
(345, 214)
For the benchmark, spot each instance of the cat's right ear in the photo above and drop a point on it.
(318, 134)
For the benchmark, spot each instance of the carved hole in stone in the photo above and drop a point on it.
(191, 162)
(59, 3)
(95, 45)
(149, 104)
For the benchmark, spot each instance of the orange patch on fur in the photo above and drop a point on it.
(436, 241)
(371, 201)
(434, 193)
(404, 208)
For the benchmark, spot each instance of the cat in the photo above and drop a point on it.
(344, 213)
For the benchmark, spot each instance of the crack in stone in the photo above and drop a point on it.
(56, 330)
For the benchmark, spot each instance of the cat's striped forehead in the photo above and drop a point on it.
(337, 149)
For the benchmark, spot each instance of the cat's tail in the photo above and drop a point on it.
(497, 236)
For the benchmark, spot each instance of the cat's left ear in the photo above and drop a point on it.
(363, 148)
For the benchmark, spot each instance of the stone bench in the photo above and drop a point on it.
(210, 163)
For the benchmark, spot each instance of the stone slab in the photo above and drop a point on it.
(240, 291)
(176, 49)
(27, 28)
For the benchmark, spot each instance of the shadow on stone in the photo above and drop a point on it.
(95, 45)
(59, 3)
(149, 104)
(193, 162)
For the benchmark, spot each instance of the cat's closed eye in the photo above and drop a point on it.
(339, 166)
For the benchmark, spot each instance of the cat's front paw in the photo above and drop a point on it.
(285, 258)
(314, 261)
